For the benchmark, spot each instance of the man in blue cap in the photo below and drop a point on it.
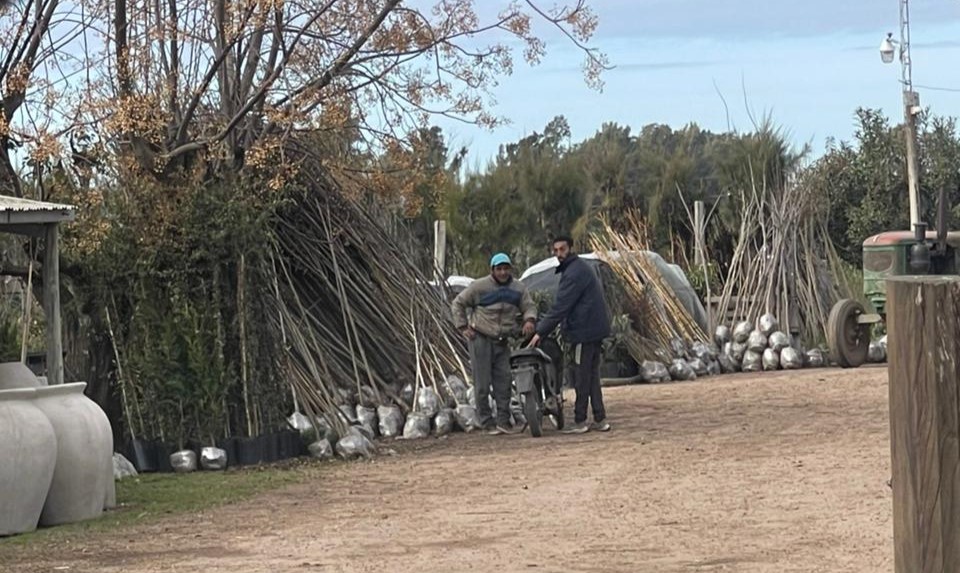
(501, 308)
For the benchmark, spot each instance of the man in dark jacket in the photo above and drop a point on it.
(581, 311)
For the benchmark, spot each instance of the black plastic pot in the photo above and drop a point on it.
(271, 447)
(163, 456)
(142, 454)
(290, 444)
(249, 451)
(230, 446)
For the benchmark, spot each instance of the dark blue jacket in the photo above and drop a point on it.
(580, 306)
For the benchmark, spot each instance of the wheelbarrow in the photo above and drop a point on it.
(538, 388)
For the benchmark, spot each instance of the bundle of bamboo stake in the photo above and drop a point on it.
(659, 320)
(784, 262)
(358, 321)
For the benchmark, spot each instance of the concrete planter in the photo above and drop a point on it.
(29, 455)
(15, 375)
(81, 482)
(110, 489)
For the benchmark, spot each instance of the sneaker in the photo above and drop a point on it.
(581, 428)
(600, 426)
(504, 429)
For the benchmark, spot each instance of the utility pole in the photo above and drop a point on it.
(911, 106)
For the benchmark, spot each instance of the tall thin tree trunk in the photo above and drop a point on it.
(241, 317)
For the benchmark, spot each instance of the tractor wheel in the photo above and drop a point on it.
(848, 340)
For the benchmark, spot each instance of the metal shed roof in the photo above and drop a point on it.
(18, 211)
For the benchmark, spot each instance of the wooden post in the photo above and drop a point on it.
(700, 257)
(699, 229)
(440, 250)
(51, 304)
(923, 321)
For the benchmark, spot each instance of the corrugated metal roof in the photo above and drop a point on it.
(8, 204)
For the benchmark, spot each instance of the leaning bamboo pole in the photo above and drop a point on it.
(360, 321)
(784, 262)
(658, 317)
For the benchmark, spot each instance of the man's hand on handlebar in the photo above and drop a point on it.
(469, 333)
(534, 341)
(528, 329)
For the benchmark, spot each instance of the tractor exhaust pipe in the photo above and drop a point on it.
(920, 251)
(942, 220)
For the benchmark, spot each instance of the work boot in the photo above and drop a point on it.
(578, 428)
(600, 426)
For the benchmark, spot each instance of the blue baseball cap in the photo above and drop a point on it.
(500, 259)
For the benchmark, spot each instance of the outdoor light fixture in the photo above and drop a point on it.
(887, 49)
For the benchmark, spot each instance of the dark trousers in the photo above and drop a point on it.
(586, 373)
(490, 363)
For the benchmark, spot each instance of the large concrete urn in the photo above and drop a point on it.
(84, 449)
(28, 455)
(16, 375)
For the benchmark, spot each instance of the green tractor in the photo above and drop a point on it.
(889, 254)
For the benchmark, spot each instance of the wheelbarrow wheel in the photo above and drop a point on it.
(531, 411)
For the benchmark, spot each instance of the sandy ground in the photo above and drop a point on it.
(773, 472)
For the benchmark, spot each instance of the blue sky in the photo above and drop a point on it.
(809, 64)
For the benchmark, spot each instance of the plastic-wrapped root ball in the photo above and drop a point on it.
(768, 324)
(652, 371)
(212, 458)
(702, 351)
(417, 426)
(722, 335)
(355, 445)
(752, 361)
(778, 340)
(368, 420)
(770, 359)
(681, 370)
(391, 421)
(466, 417)
(444, 421)
(700, 367)
(727, 365)
(737, 351)
(184, 461)
(815, 358)
(790, 358)
(679, 347)
(428, 402)
(741, 332)
(757, 341)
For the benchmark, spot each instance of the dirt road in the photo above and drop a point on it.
(773, 472)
